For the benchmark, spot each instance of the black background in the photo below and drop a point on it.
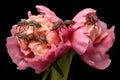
(12, 11)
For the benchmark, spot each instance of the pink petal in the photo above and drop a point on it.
(96, 60)
(80, 17)
(49, 13)
(107, 43)
(79, 41)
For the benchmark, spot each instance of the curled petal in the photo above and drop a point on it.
(13, 49)
(97, 60)
(79, 41)
(50, 14)
(82, 14)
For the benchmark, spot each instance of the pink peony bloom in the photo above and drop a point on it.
(37, 41)
(91, 39)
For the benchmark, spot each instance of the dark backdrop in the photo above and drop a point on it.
(13, 11)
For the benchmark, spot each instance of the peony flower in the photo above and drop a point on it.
(91, 39)
(36, 42)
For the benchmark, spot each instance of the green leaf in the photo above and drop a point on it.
(58, 69)
(64, 65)
(46, 73)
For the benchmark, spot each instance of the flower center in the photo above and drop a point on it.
(37, 34)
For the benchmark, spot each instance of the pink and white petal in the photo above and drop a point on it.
(22, 65)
